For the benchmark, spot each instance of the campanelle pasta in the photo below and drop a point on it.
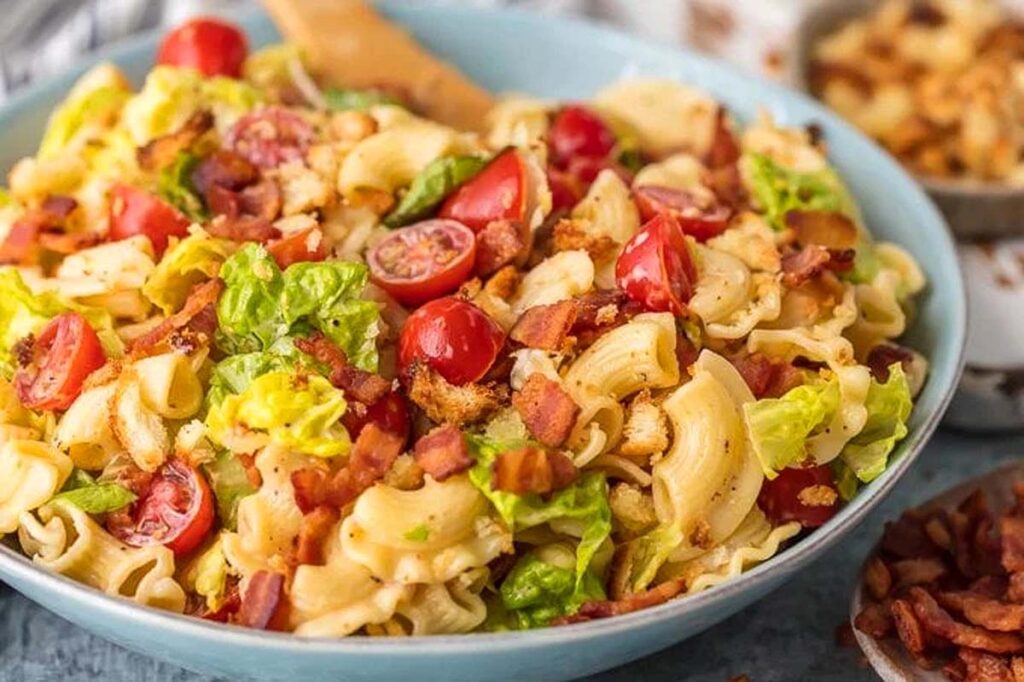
(300, 358)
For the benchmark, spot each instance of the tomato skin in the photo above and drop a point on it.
(498, 192)
(305, 245)
(780, 497)
(655, 268)
(390, 413)
(134, 211)
(66, 351)
(453, 337)
(566, 189)
(701, 222)
(423, 261)
(176, 510)
(211, 46)
(577, 131)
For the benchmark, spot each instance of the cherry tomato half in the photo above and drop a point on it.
(305, 245)
(390, 413)
(498, 192)
(176, 510)
(655, 268)
(270, 136)
(577, 131)
(423, 261)
(66, 351)
(793, 494)
(134, 211)
(453, 337)
(211, 46)
(701, 221)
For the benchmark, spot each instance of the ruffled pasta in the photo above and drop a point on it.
(30, 474)
(556, 278)
(84, 432)
(447, 608)
(110, 276)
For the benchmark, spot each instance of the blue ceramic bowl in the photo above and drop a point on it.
(556, 58)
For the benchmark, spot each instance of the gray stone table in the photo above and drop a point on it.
(790, 635)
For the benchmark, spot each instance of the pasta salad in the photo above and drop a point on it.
(300, 359)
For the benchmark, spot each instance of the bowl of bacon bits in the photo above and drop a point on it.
(938, 84)
(942, 595)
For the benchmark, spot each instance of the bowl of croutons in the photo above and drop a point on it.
(940, 85)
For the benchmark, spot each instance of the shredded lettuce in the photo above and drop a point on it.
(779, 427)
(357, 100)
(889, 405)
(433, 184)
(230, 484)
(298, 411)
(93, 497)
(261, 305)
(194, 259)
(542, 586)
(174, 185)
(649, 552)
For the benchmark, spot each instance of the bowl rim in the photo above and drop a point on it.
(796, 556)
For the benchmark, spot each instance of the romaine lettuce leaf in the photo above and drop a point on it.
(432, 185)
(93, 497)
(779, 190)
(230, 483)
(889, 405)
(269, 68)
(174, 185)
(96, 110)
(210, 575)
(194, 259)
(779, 427)
(542, 586)
(233, 374)
(295, 410)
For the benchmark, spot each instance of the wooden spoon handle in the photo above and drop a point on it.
(350, 45)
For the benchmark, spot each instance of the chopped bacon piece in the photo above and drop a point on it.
(1011, 531)
(58, 206)
(373, 453)
(634, 602)
(1015, 590)
(877, 578)
(545, 327)
(989, 613)
(252, 473)
(443, 452)
(884, 356)
(804, 265)
(446, 403)
(43, 229)
(497, 245)
(600, 311)
(906, 537)
(261, 200)
(264, 605)
(225, 169)
(194, 319)
(829, 229)
(767, 377)
(982, 667)
(533, 470)
(937, 620)
(547, 410)
(725, 149)
(907, 626)
(313, 533)
(366, 387)
(243, 228)
(918, 571)
(874, 620)
(162, 151)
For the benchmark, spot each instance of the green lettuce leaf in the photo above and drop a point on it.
(260, 305)
(211, 575)
(433, 184)
(230, 484)
(298, 411)
(269, 68)
(779, 190)
(542, 586)
(846, 481)
(357, 100)
(889, 405)
(779, 427)
(194, 259)
(233, 374)
(174, 185)
(93, 497)
(96, 110)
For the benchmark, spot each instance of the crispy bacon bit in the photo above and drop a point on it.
(195, 604)
(908, 629)
(192, 320)
(497, 245)
(366, 387)
(243, 228)
(1012, 532)
(545, 327)
(225, 169)
(533, 470)
(987, 612)
(725, 150)
(634, 602)
(600, 311)
(264, 605)
(982, 667)
(313, 533)
(58, 206)
(445, 403)
(937, 620)
(162, 151)
(829, 229)
(804, 265)
(917, 571)
(42, 229)
(877, 578)
(252, 473)
(547, 410)
(766, 377)
(874, 620)
(443, 452)
(1015, 590)
(906, 538)
(373, 453)
(261, 200)
(573, 235)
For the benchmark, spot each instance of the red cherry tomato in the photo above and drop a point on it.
(211, 46)
(587, 168)
(566, 189)
(305, 245)
(66, 351)
(176, 510)
(577, 131)
(390, 413)
(270, 136)
(702, 222)
(423, 261)
(453, 337)
(134, 211)
(655, 268)
(781, 499)
(497, 193)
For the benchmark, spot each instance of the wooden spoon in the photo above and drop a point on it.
(888, 657)
(350, 45)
